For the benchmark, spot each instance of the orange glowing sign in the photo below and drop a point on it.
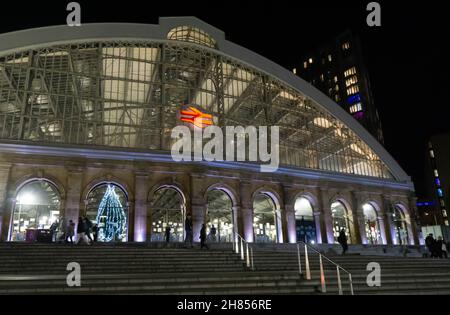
(196, 117)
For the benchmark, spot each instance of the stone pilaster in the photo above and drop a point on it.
(387, 216)
(317, 220)
(73, 198)
(141, 187)
(5, 169)
(359, 231)
(291, 233)
(414, 228)
(326, 220)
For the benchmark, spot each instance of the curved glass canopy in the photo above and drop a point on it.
(128, 95)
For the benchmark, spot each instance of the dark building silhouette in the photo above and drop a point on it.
(337, 69)
(438, 176)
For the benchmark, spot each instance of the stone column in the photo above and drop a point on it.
(290, 228)
(246, 214)
(5, 169)
(317, 220)
(140, 207)
(237, 220)
(73, 198)
(387, 215)
(326, 220)
(414, 228)
(198, 211)
(247, 223)
(382, 227)
(359, 233)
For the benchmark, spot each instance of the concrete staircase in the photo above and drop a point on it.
(160, 269)
(399, 275)
(138, 269)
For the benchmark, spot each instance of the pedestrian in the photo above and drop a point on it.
(95, 232)
(167, 234)
(213, 233)
(430, 242)
(62, 229)
(203, 237)
(81, 231)
(88, 225)
(188, 229)
(70, 232)
(441, 247)
(53, 230)
(342, 239)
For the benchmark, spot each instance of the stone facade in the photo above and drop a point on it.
(74, 177)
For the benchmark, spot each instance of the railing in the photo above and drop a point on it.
(322, 273)
(241, 247)
(245, 251)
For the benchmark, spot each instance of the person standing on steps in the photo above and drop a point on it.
(188, 229)
(81, 231)
(342, 239)
(167, 234)
(430, 242)
(70, 232)
(88, 225)
(203, 237)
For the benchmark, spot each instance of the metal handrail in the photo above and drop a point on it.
(322, 274)
(247, 254)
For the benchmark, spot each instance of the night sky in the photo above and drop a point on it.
(407, 57)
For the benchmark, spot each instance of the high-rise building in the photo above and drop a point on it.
(337, 69)
(438, 174)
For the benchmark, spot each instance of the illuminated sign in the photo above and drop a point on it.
(195, 117)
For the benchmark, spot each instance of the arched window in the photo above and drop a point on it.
(400, 226)
(167, 211)
(264, 220)
(340, 220)
(220, 216)
(371, 224)
(107, 207)
(304, 221)
(37, 207)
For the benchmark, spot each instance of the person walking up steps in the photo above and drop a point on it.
(203, 237)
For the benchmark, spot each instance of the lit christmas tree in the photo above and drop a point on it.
(111, 217)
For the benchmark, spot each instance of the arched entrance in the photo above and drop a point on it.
(167, 210)
(37, 206)
(107, 206)
(264, 219)
(304, 221)
(400, 226)
(341, 220)
(372, 226)
(220, 215)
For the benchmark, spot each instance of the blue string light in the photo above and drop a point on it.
(111, 217)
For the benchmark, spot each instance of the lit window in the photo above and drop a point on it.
(436, 173)
(440, 193)
(336, 88)
(350, 72)
(305, 64)
(355, 108)
(351, 81)
(294, 71)
(353, 90)
(321, 77)
(442, 202)
(438, 182)
(310, 60)
(330, 58)
(337, 98)
(432, 153)
(346, 46)
(335, 79)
